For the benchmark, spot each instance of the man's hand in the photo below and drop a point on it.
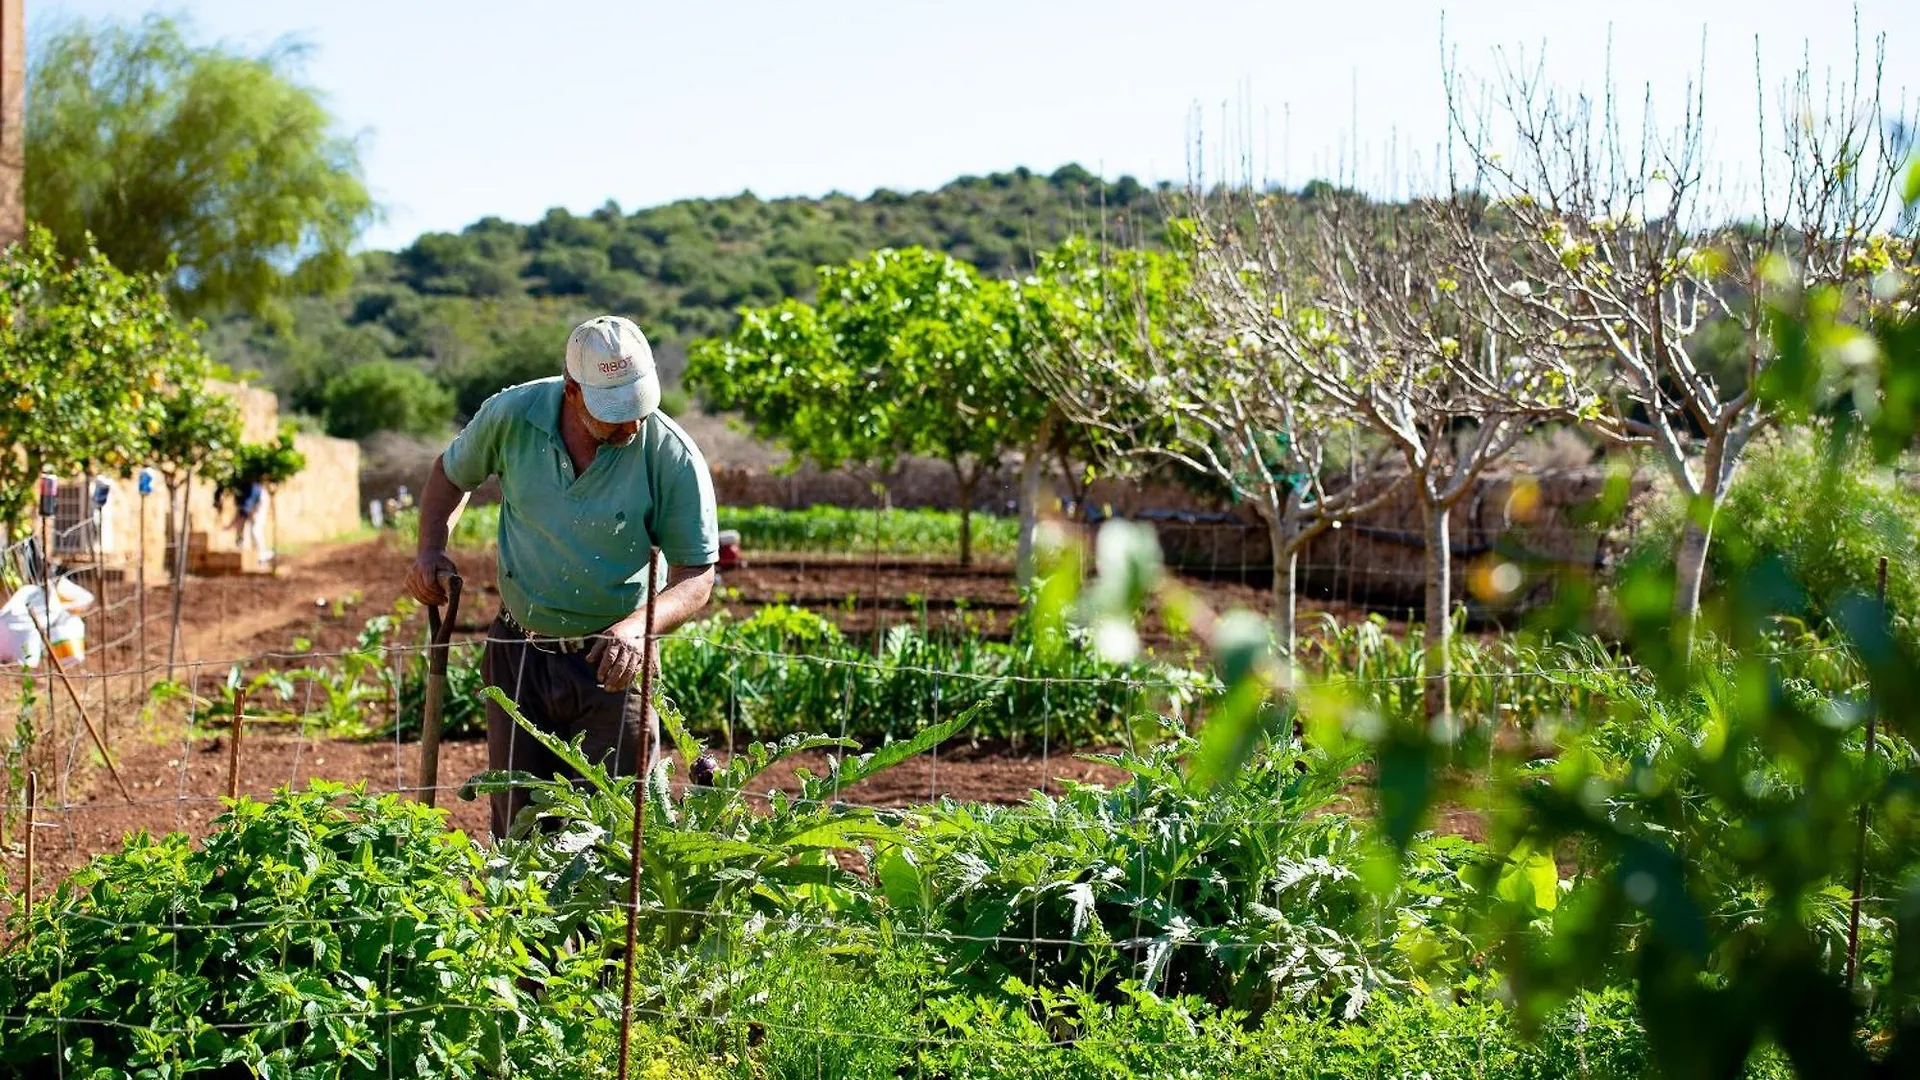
(618, 652)
(424, 577)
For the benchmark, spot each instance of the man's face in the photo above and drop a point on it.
(602, 432)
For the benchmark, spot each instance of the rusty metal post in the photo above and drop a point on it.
(439, 643)
(1860, 846)
(639, 815)
(99, 492)
(183, 531)
(233, 747)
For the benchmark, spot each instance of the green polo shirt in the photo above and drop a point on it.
(573, 550)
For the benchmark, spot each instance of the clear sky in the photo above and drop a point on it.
(480, 107)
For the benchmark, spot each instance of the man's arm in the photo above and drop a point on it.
(686, 594)
(440, 503)
(618, 651)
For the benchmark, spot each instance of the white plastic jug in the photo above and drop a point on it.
(19, 641)
(20, 638)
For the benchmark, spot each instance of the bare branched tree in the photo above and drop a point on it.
(1636, 261)
(1158, 367)
(1365, 307)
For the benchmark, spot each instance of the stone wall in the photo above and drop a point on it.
(320, 503)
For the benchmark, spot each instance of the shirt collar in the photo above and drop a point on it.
(543, 408)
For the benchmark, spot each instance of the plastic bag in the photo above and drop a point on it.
(67, 594)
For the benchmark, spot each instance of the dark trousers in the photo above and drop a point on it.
(559, 693)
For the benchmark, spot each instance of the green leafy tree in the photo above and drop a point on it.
(219, 169)
(386, 395)
(198, 430)
(197, 436)
(784, 372)
(271, 463)
(939, 340)
(908, 352)
(84, 355)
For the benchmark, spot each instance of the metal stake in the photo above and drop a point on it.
(33, 804)
(639, 815)
(179, 567)
(49, 487)
(140, 577)
(1860, 847)
(98, 492)
(439, 635)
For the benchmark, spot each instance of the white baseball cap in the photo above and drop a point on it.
(610, 358)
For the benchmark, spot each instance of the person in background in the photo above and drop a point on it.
(246, 520)
(592, 478)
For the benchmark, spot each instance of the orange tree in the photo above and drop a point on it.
(905, 352)
(84, 354)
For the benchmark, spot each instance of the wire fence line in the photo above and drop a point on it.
(202, 676)
(397, 649)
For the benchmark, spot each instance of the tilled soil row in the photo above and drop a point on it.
(181, 786)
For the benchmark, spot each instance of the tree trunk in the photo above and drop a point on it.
(1690, 570)
(1690, 562)
(1030, 499)
(1439, 632)
(1286, 588)
(967, 481)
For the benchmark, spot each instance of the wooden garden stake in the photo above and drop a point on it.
(233, 748)
(1860, 848)
(639, 815)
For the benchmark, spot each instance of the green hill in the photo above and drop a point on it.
(435, 327)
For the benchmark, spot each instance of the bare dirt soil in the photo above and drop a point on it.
(180, 784)
(317, 602)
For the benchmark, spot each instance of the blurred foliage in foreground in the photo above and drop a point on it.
(1868, 510)
(1718, 864)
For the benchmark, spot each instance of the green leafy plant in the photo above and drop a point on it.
(325, 932)
(1245, 895)
(786, 669)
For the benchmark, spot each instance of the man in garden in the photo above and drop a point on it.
(592, 477)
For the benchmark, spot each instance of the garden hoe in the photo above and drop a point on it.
(439, 633)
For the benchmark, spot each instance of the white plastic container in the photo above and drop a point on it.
(20, 638)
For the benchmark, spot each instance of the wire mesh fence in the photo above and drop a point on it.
(176, 735)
